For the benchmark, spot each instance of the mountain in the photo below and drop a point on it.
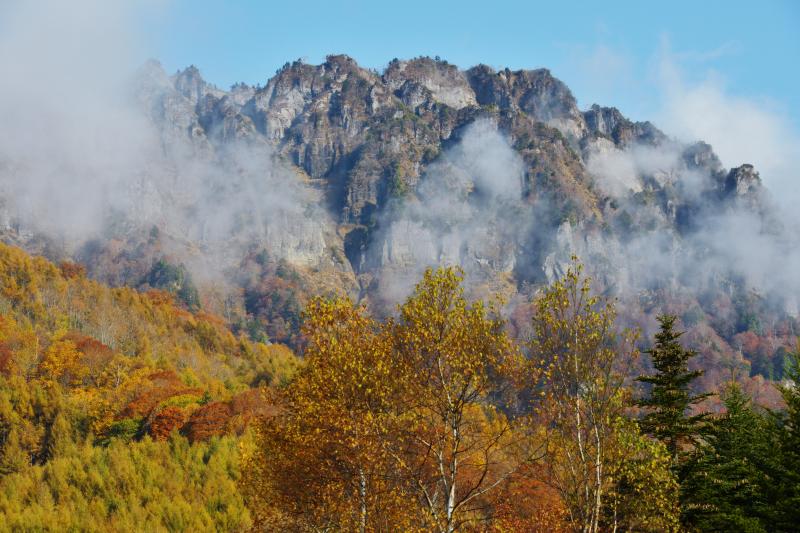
(334, 177)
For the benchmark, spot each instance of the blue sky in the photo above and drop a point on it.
(607, 52)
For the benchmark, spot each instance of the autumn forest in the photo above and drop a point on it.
(123, 410)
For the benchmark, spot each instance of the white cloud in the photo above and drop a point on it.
(741, 130)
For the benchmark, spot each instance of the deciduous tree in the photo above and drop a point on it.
(583, 392)
(457, 446)
(323, 463)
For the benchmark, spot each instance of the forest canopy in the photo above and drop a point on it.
(125, 410)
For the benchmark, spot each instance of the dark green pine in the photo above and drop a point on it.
(669, 399)
(788, 422)
(731, 480)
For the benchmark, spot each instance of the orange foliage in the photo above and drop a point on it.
(159, 297)
(531, 506)
(162, 386)
(249, 406)
(748, 341)
(208, 421)
(72, 270)
(19, 347)
(166, 421)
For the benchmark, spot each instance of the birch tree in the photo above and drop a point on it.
(457, 447)
(322, 464)
(581, 358)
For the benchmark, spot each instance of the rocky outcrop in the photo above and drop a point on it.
(609, 122)
(742, 181)
(534, 92)
(367, 140)
(345, 178)
(346, 150)
(700, 156)
(422, 80)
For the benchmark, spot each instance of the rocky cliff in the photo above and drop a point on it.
(357, 179)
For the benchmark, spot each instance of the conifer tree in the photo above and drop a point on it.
(670, 399)
(788, 504)
(730, 478)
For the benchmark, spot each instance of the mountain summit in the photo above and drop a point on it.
(337, 177)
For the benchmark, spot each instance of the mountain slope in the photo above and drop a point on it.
(118, 409)
(333, 177)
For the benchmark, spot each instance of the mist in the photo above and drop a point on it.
(741, 130)
(750, 237)
(96, 145)
(467, 211)
(68, 140)
(93, 145)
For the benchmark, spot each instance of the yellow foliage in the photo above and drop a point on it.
(61, 362)
(388, 426)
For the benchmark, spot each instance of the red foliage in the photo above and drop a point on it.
(6, 359)
(89, 345)
(96, 355)
(165, 379)
(210, 420)
(165, 421)
(72, 270)
(219, 418)
(162, 385)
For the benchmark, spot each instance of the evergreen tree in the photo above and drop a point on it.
(730, 478)
(670, 399)
(788, 504)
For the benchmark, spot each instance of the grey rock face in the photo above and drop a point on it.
(609, 122)
(743, 181)
(535, 92)
(700, 155)
(333, 158)
(429, 80)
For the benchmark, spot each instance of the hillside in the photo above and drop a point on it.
(119, 409)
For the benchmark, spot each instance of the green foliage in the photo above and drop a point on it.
(729, 483)
(397, 187)
(176, 280)
(787, 512)
(749, 307)
(274, 302)
(670, 400)
(125, 430)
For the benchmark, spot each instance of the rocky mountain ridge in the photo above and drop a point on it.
(358, 180)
